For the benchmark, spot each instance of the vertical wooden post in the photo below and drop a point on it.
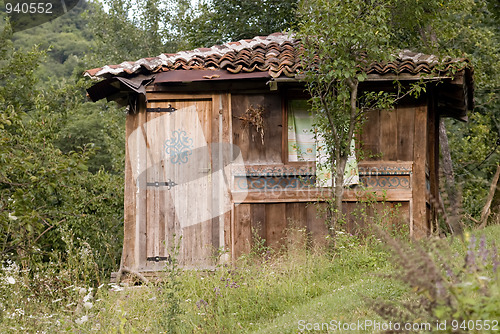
(433, 156)
(419, 186)
(134, 194)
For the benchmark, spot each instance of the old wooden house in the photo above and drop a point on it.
(217, 147)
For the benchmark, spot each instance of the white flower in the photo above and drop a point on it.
(82, 320)
(82, 291)
(87, 305)
(11, 280)
(11, 216)
(87, 297)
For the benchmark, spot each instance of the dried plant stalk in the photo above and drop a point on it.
(254, 116)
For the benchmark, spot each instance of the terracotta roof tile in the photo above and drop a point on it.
(278, 53)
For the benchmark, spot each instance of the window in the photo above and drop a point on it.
(301, 139)
(303, 145)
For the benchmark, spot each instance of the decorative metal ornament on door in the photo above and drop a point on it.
(179, 147)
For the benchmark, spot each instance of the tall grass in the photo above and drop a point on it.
(264, 292)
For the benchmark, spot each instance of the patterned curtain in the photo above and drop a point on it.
(303, 146)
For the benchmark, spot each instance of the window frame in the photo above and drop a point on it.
(294, 94)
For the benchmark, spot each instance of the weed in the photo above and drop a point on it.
(170, 291)
(446, 286)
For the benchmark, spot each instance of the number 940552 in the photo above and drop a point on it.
(29, 8)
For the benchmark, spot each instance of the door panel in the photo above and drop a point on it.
(178, 182)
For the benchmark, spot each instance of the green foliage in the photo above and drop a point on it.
(44, 191)
(219, 21)
(170, 289)
(129, 30)
(337, 47)
(67, 40)
(459, 290)
(352, 34)
(256, 296)
(474, 144)
(102, 127)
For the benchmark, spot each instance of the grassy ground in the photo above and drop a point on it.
(283, 294)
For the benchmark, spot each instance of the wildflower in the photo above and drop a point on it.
(201, 303)
(483, 250)
(11, 280)
(87, 305)
(11, 216)
(87, 297)
(82, 320)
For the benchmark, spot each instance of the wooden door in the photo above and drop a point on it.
(178, 182)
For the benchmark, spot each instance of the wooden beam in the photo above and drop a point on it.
(418, 227)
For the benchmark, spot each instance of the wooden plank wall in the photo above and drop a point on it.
(280, 224)
(394, 215)
(275, 223)
(389, 135)
(247, 138)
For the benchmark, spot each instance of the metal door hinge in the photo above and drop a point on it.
(169, 184)
(160, 258)
(158, 109)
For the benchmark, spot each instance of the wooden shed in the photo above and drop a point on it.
(211, 149)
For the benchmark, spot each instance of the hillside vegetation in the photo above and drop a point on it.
(287, 292)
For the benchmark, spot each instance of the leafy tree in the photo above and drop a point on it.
(129, 30)
(101, 126)
(67, 40)
(475, 144)
(44, 191)
(339, 38)
(219, 21)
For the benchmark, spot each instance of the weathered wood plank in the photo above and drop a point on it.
(171, 96)
(296, 218)
(140, 161)
(370, 136)
(241, 137)
(273, 139)
(316, 223)
(275, 224)
(406, 132)
(246, 135)
(388, 134)
(129, 258)
(242, 230)
(419, 227)
(433, 162)
(258, 219)
(314, 194)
